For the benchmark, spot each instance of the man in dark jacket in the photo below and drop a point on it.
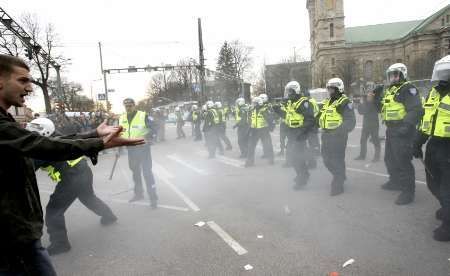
(371, 123)
(20, 206)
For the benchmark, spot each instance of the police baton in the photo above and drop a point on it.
(114, 165)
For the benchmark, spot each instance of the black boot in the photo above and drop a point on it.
(299, 183)
(58, 248)
(390, 186)
(442, 233)
(336, 188)
(405, 198)
(108, 220)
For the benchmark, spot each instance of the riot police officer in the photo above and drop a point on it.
(298, 116)
(401, 112)
(136, 124)
(261, 122)
(197, 121)
(242, 125)
(336, 119)
(222, 127)
(435, 128)
(211, 129)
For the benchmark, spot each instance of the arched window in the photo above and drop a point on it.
(333, 61)
(331, 30)
(368, 70)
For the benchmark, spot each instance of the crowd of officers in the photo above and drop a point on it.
(411, 120)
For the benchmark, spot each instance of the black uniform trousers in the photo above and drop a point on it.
(333, 155)
(398, 159)
(70, 188)
(242, 135)
(255, 135)
(223, 136)
(197, 130)
(298, 157)
(212, 140)
(372, 132)
(140, 163)
(283, 137)
(437, 162)
(180, 131)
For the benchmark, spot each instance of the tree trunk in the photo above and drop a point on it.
(48, 107)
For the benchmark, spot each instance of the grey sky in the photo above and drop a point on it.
(155, 32)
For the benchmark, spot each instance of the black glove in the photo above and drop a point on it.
(418, 152)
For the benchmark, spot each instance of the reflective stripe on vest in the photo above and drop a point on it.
(436, 120)
(195, 116)
(137, 127)
(294, 119)
(315, 106)
(216, 118)
(56, 175)
(258, 120)
(330, 118)
(392, 110)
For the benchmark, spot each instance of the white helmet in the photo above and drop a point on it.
(441, 70)
(292, 86)
(264, 97)
(204, 107)
(257, 101)
(194, 107)
(209, 104)
(337, 83)
(43, 126)
(218, 104)
(397, 68)
(177, 108)
(240, 101)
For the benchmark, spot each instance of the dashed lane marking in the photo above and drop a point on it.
(227, 238)
(177, 159)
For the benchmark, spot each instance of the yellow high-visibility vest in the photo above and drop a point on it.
(137, 127)
(393, 110)
(330, 118)
(56, 175)
(257, 118)
(436, 119)
(294, 119)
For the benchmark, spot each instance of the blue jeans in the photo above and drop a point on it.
(31, 259)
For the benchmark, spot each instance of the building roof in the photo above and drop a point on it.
(388, 31)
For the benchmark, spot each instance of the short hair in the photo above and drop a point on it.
(7, 64)
(128, 101)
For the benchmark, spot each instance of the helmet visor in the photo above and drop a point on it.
(441, 72)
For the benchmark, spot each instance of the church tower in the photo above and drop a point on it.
(327, 32)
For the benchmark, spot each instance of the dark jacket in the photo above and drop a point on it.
(369, 111)
(21, 216)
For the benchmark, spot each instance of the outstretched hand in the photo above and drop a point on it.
(103, 129)
(113, 139)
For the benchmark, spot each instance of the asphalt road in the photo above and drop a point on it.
(252, 216)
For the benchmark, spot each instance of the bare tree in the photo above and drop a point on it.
(241, 57)
(47, 38)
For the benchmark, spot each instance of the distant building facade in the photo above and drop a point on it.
(361, 55)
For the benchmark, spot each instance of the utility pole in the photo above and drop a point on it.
(202, 63)
(103, 73)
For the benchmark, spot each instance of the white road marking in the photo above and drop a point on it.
(227, 238)
(174, 188)
(226, 160)
(177, 159)
(377, 174)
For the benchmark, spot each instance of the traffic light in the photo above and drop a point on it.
(29, 53)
